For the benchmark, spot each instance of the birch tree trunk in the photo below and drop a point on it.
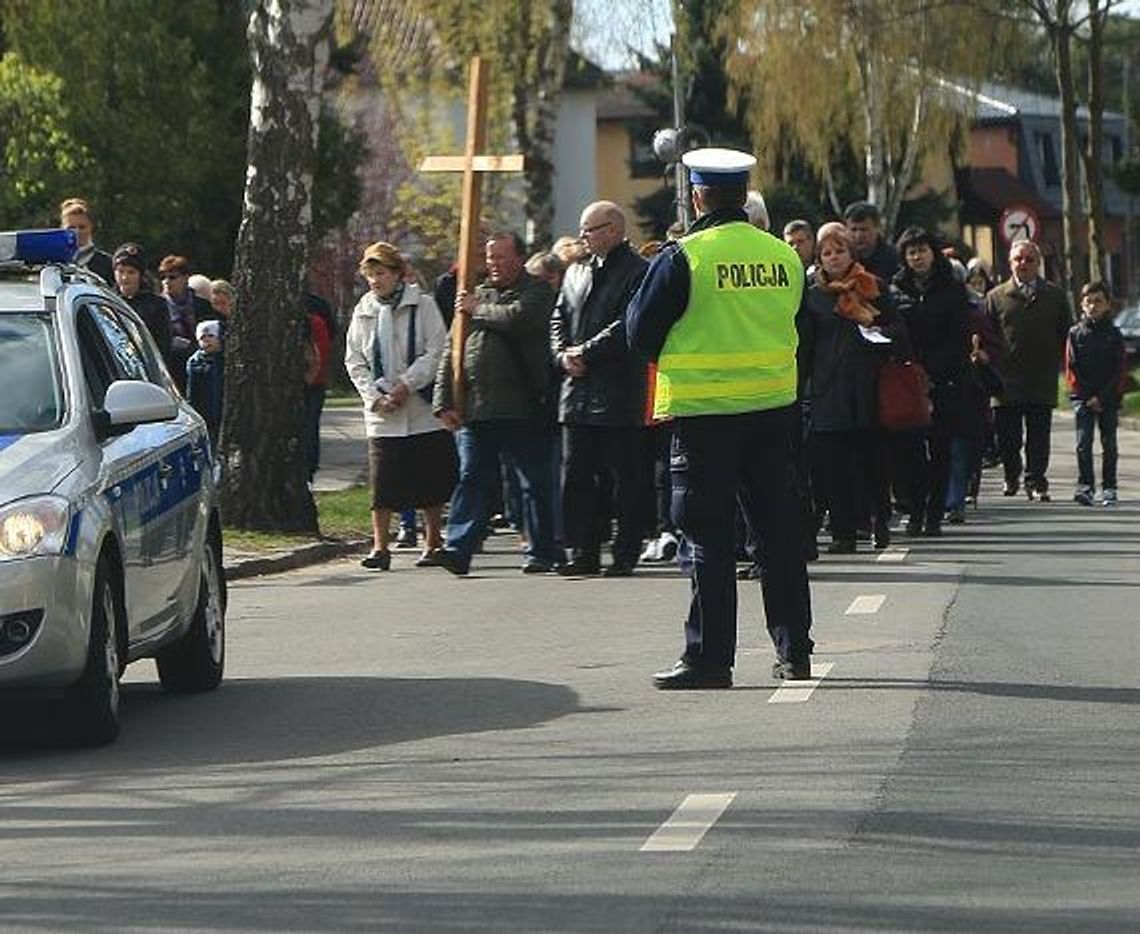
(262, 440)
(1094, 152)
(1062, 37)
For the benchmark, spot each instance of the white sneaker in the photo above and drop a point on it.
(1108, 498)
(667, 546)
(652, 552)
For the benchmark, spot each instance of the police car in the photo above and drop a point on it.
(110, 536)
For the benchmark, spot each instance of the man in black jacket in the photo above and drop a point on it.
(864, 229)
(75, 214)
(603, 393)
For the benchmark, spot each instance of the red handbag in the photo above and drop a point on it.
(904, 396)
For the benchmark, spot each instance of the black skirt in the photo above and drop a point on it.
(412, 471)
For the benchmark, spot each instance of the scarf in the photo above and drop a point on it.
(384, 308)
(855, 293)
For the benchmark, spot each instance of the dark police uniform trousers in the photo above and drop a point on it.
(712, 456)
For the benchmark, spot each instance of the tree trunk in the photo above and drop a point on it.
(1094, 152)
(1061, 34)
(262, 440)
(901, 182)
(553, 51)
(874, 149)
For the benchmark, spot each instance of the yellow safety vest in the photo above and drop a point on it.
(734, 348)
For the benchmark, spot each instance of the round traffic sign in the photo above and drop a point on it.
(1019, 223)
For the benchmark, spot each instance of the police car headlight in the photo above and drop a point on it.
(30, 527)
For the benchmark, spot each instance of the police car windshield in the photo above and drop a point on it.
(31, 398)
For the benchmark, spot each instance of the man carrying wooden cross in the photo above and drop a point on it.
(506, 379)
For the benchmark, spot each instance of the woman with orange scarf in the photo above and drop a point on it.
(846, 314)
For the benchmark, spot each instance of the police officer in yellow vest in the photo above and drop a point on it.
(717, 311)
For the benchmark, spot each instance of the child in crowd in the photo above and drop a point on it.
(1094, 369)
(204, 377)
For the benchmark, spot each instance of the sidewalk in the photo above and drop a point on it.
(344, 464)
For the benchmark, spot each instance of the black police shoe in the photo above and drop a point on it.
(684, 676)
(788, 670)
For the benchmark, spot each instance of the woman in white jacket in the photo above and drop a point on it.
(392, 353)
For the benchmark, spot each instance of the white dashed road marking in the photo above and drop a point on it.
(866, 604)
(796, 692)
(688, 824)
(893, 555)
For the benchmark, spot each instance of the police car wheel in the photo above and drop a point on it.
(91, 707)
(197, 660)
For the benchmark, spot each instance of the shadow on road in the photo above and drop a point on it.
(263, 720)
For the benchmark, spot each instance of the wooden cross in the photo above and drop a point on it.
(473, 164)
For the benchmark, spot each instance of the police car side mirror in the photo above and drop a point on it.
(130, 402)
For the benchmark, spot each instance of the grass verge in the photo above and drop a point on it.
(343, 514)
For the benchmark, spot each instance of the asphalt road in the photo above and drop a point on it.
(411, 752)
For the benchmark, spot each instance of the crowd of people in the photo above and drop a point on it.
(553, 419)
(554, 425)
(187, 316)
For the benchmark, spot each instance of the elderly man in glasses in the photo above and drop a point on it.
(603, 395)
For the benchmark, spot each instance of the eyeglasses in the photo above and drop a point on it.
(589, 230)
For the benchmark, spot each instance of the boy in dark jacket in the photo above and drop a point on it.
(204, 377)
(1094, 369)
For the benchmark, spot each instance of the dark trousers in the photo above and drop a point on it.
(591, 454)
(314, 405)
(480, 445)
(853, 468)
(927, 472)
(1088, 422)
(713, 456)
(1038, 424)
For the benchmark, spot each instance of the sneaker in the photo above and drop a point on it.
(1040, 496)
(652, 551)
(1010, 488)
(1083, 496)
(406, 538)
(537, 566)
(377, 561)
(956, 517)
(667, 546)
(1108, 497)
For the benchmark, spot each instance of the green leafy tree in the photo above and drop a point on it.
(156, 92)
(38, 156)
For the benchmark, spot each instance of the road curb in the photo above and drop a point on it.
(288, 560)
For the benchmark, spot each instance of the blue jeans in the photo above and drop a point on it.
(1087, 423)
(480, 445)
(963, 462)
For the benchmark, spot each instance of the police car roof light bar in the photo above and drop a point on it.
(38, 247)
